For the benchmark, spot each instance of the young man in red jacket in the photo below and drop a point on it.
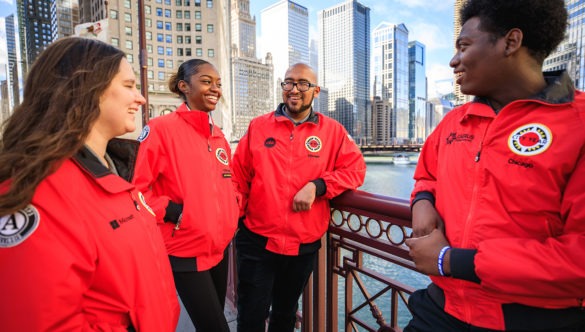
(498, 208)
(287, 167)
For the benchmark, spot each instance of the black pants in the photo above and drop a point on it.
(203, 295)
(265, 279)
(428, 316)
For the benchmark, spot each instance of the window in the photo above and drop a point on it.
(161, 75)
(148, 35)
(169, 51)
(211, 52)
(198, 40)
(150, 74)
(167, 13)
(127, 17)
(187, 3)
(197, 26)
(127, 4)
(129, 44)
(159, 24)
(187, 26)
(178, 2)
(179, 39)
(197, 3)
(114, 14)
(187, 14)
(169, 38)
(130, 58)
(159, 37)
(179, 51)
(210, 28)
(209, 3)
(159, 12)
(179, 14)
(187, 39)
(115, 42)
(199, 52)
(197, 15)
(149, 62)
(161, 63)
(148, 22)
(148, 48)
(147, 10)
(188, 52)
(170, 64)
(128, 31)
(179, 27)
(168, 26)
(160, 50)
(168, 2)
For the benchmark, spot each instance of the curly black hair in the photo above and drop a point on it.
(543, 22)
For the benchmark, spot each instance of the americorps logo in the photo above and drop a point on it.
(17, 227)
(313, 144)
(530, 139)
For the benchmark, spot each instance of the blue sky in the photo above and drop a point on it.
(428, 21)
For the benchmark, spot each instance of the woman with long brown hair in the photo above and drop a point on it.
(79, 248)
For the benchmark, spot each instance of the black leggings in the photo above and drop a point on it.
(203, 295)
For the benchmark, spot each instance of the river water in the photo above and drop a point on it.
(385, 178)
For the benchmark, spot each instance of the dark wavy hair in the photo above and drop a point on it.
(186, 70)
(543, 22)
(61, 103)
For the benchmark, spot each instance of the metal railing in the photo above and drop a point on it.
(365, 230)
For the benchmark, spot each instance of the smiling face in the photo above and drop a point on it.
(119, 104)
(479, 64)
(203, 90)
(298, 103)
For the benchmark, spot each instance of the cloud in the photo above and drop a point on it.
(9, 2)
(434, 4)
(440, 80)
(433, 36)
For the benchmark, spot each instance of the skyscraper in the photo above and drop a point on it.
(570, 54)
(252, 79)
(175, 31)
(344, 65)
(391, 76)
(417, 91)
(460, 98)
(66, 19)
(35, 19)
(284, 34)
(12, 70)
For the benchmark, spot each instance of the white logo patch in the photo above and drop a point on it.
(530, 139)
(313, 144)
(17, 227)
(222, 156)
(144, 133)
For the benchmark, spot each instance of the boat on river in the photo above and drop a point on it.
(401, 159)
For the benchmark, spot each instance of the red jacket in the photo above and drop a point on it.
(275, 159)
(181, 160)
(85, 255)
(511, 188)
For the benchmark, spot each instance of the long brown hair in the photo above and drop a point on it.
(60, 105)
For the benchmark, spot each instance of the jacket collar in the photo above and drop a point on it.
(198, 119)
(123, 153)
(559, 90)
(279, 113)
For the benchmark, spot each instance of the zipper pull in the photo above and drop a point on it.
(477, 156)
(291, 136)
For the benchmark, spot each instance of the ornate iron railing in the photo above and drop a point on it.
(366, 232)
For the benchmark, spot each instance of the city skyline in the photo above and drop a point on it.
(428, 21)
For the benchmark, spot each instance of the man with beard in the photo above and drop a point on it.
(287, 167)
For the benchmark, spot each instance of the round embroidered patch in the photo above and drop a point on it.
(222, 156)
(313, 144)
(530, 139)
(143, 201)
(144, 133)
(17, 227)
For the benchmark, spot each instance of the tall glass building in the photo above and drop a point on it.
(35, 19)
(391, 76)
(344, 65)
(284, 34)
(417, 92)
(12, 74)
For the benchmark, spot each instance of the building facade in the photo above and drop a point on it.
(344, 65)
(417, 92)
(12, 72)
(35, 21)
(391, 76)
(66, 18)
(460, 98)
(284, 34)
